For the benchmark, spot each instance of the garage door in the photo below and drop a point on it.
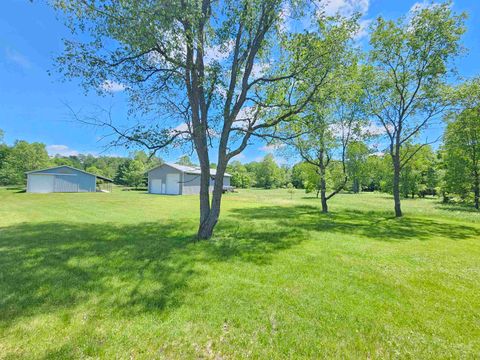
(172, 187)
(41, 183)
(156, 186)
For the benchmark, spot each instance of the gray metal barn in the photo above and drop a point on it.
(65, 179)
(173, 179)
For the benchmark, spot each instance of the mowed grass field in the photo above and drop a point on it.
(118, 276)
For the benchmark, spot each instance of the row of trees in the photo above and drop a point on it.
(23, 156)
(428, 174)
(317, 95)
(451, 171)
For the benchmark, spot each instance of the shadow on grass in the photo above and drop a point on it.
(458, 207)
(128, 270)
(371, 224)
(148, 267)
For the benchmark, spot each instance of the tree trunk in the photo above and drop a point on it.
(205, 231)
(396, 186)
(323, 196)
(356, 186)
(323, 183)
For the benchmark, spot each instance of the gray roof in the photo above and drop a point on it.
(188, 169)
(70, 167)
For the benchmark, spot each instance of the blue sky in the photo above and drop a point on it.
(32, 103)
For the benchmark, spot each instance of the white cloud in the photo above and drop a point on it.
(272, 147)
(420, 5)
(373, 129)
(62, 150)
(346, 7)
(259, 69)
(18, 58)
(218, 52)
(182, 127)
(363, 29)
(112, 86)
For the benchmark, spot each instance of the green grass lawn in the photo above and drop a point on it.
(119, 276)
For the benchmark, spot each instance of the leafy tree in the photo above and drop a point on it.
(59, 160)
(356, 160)
(332, 119)
(94, 170)
(306, 176)
(268, 174)
(462, 154)
(241, 177)
(160, 55)
(410, 61)
(378, 173)
(419, 176)
(134, 174)
(20, 158)
(185, 160)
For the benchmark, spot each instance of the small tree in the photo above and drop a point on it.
(410, 61)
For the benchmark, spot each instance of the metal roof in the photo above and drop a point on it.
(70, 167)
(188, 169)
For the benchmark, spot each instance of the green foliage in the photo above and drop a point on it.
(462, 153)
(305, 175)
(241, 177)
(20, 158)
(268, 174)
(94, 170)
(419, 176)
(185, 160)
(410, 60)
(378, 173)
(356, 164)
(134, 174)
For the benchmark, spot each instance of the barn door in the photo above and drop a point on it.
(173, 184)
(41, 183)
(156, 186)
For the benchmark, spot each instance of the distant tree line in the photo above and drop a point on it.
(451, 172)
(23, 156)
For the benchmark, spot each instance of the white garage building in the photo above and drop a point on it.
(174, 179)
(65, 179)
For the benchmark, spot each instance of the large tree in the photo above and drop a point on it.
(410, 62)
(20, 158)
(203, 67)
